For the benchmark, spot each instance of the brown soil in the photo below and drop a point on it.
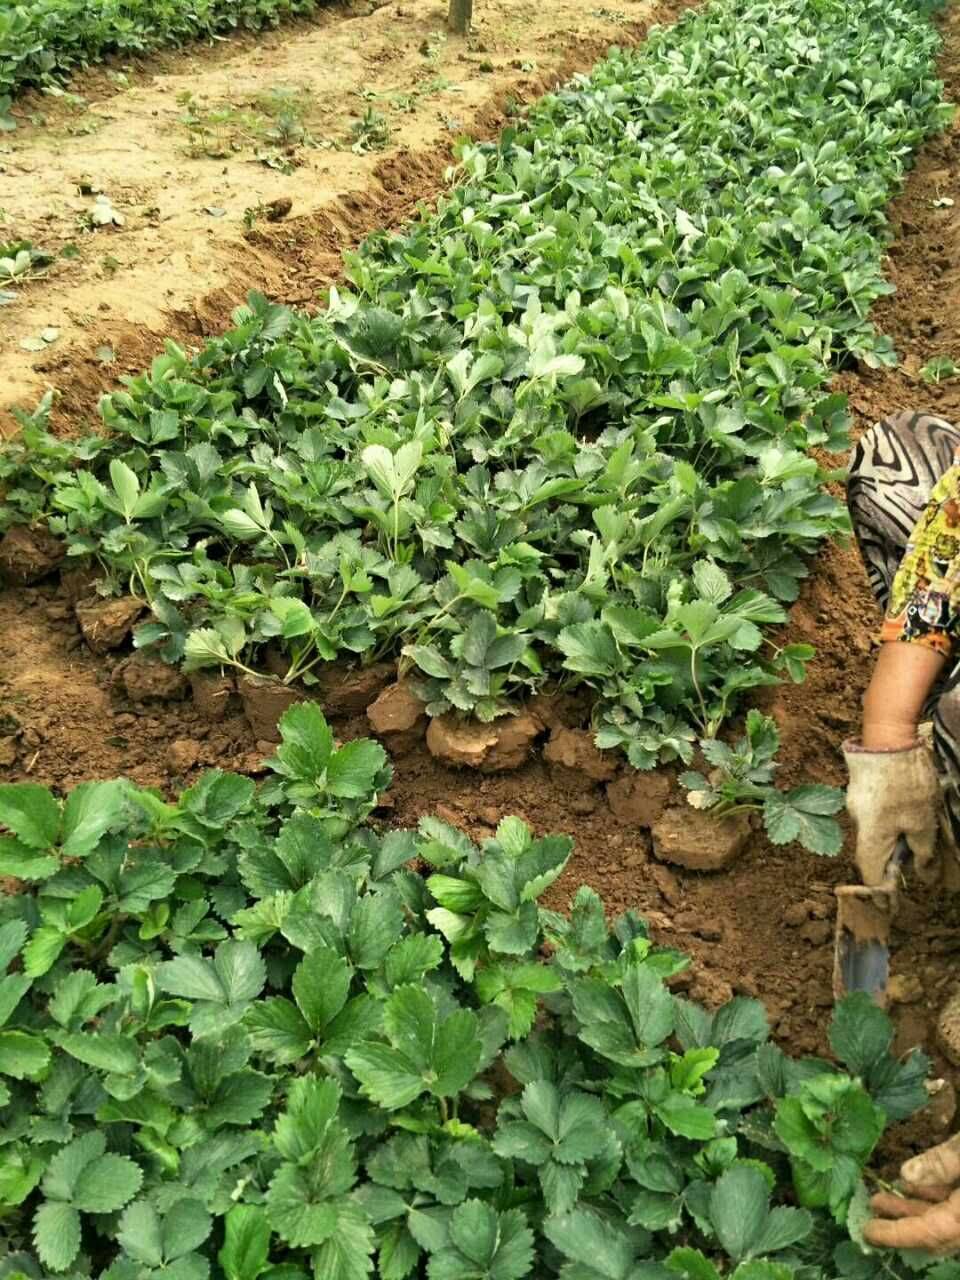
(764, 926)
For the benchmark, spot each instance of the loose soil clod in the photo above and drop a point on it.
(148, 679)
(492, 748)
(639, 798)
(28, 555)
(948, 1028)
(107, 624)
(182, 756)
(398, 717)
(349, 693)
(212, 694)
(695, 840)
(78, 584)
(575, 750)
(264, 702)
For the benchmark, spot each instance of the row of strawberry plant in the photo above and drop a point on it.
(557, 431)
(241, 1035)
(43, 40)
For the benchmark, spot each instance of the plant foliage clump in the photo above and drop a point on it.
(240, 1036)
(41, 41)
(557, 431)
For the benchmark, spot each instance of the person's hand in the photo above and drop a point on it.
(891, 793)
(927, 1215)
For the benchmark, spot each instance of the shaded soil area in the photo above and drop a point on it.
(763, 927)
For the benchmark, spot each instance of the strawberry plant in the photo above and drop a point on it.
(557, 433)
(41, 41)
(742, 777)
(240, 1035)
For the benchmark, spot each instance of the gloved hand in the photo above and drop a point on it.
(892, 793)
(928, 1215)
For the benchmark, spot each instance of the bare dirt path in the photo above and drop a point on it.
(347, 122)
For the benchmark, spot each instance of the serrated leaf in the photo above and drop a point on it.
(13, 987)
(79, 997)
(217, 798)
(583, 1237)
(277, 1029)
(353, 769)
(295, 1214)
(397, 1253)
(126, 486)
(22, 1055)
(239, 1100)
(90, 810)
(784, 1226)
(222, 988)
(246, 1245)
(711, 582)
(375, 927)
(106, 1184)
(13, 934)
(31, 813)
(687, 1118)
(347, 1253)
(484, 1243)
(561, 1185)
(116, 1054)
(739, 1205)
(56, 1234)
(860, 1033)
(22, 863)
(426, 1053)
(41, 952)
(140, 1234)
(412, 958)
(690, 1264)
(306, 742)
(804, 814)
(191, 977)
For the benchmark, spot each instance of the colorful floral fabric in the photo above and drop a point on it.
(924, 605)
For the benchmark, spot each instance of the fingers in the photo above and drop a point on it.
(874, 850)
(923, 846)
(938, 1167)
(932, 1227)
(876, 841)
(887, 1204)
(932, 1194)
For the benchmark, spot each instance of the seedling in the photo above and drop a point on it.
(370, 133)
(21, 262)
(939, 369)
(742, 780)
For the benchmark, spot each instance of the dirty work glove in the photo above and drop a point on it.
(891, 794)
(927, 1215)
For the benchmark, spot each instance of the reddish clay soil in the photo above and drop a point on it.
(763, 927)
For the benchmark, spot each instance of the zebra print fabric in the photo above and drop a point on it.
(894, 469)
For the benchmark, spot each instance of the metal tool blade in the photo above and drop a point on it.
(861, 941)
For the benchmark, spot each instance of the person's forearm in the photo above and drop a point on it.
(901, 682)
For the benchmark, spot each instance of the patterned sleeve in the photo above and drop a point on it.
(925, 598)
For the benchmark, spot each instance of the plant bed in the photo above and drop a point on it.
(622, 499)
(38, 672)
(42, 41)
(240, 1031)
